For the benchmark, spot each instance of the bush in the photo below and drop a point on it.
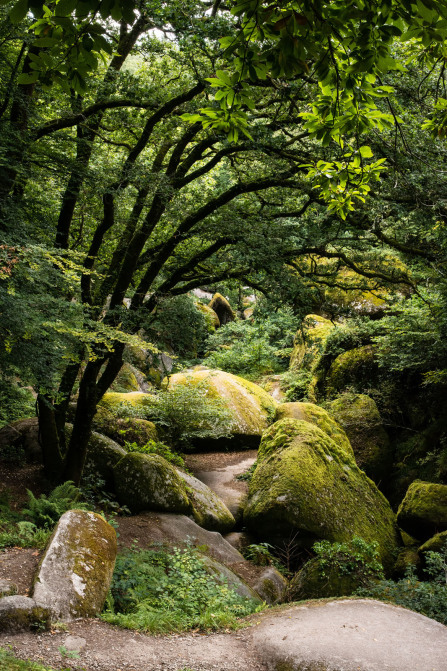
(45, 511)
(158, 592)
(426, 597)
(15, 402)
(154, 447)
(356, 558)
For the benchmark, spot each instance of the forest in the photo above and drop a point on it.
(223, 308)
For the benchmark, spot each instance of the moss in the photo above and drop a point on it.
(306, 485)
(250, 405)
(355, 368)
(436, 543)
(360, 418)
(149, 482)
(222, 308)
(406, 558)
(211, 317)
(423, 512)
(126, 380)
(312, 583)
(114, 401)
(309, 342)
(131, 429)
(309, 412)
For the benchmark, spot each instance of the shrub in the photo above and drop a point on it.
(154, 447)
(45, 511)
(426, 597)
(158, 592)
(355, 557)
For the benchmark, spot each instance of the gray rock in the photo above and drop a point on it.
(234, 581)
(7, 588)
(18, 613)
(76, 570)
(209, 510)
(271, 585)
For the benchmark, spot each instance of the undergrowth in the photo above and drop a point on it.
(155, 447)
(10, 663)
(160, 592)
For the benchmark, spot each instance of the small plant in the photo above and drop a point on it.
(247, 475)
(159, 592)
(45, 511)
(69, 654)
(154, 447)
(260, 554)
(355, 557)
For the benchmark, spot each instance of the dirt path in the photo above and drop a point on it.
(341, 635)
(218, 470)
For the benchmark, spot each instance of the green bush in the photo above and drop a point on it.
(154, 447)
(45, 511)
(427, 597)
(158, 592)
(355, 557)
(15, 402)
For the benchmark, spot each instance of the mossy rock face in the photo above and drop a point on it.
(406, 558)
(121, 430)
(360, 418)
(305, 486)
(115, 402)
(312, 583)
(76, 571)
(19, 613)
(423, 512)
(127, 379)
(309, 342)
(309, 412)
(102, 456)
(149, 482)
(355, 369)
(210, 315)
(222, 308)
(250, 405)
(436, 543)
(209, 511)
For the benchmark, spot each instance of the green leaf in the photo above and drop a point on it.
(366, 152)
(28, 77)
(19, 11)
(65, 7)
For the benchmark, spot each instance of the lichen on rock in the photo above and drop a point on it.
(76, 570)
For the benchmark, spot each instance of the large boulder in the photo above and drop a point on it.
(149, 482)
(129, 378)
(124, 429)
(423, 511)
(307, 488)
(21, 439)
(153, 529)
(250, 406)
(209, 510)
(222, 308)
(309, 412)
(355, 369)
(211, 317)
(76, 570)
(360, 418)
(118, 402)
(312, 582)
(102, 456)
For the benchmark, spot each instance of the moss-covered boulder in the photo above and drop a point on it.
(423, 511)
(118, 402)
(209, 511)
(149, 482)
(309, 342)
(309, 412)
(251, 406)
(127, 429)
(355, 369)
(103, 454)
(307, 488)
(407, 557)
(127, 379)
(19, 613)
(312, 582)
(436, 543)
(76, 570)
(360, 418)
(222, 308)
(210, 315)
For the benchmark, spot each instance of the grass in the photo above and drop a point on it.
(10, 663)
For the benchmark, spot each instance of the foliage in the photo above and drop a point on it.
(427, 597)
(247, 475)
(96, 497)
(186, 412)
(45, 511)
(155, 447)
(296, 384)
(253, 348)
(355, 557)
(17, 532)
(259, 553)
(159, 592)
(9, 662)
(16, 402)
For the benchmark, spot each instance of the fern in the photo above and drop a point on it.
(45, 511)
